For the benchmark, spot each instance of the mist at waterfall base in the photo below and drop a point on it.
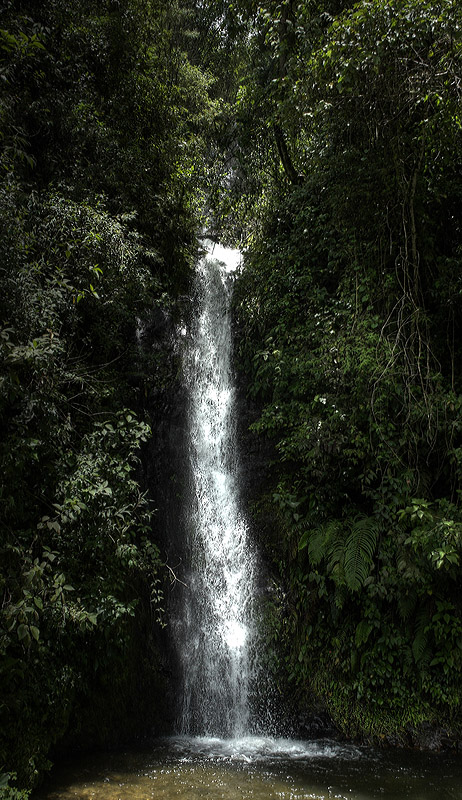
(224, 748)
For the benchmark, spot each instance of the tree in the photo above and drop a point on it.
(104, 127)
(347, 337)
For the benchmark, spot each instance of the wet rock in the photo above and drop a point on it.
(316, 725)
(431, 738)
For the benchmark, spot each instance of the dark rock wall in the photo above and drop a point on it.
(165, 477)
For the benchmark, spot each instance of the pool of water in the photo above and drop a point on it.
(256, 768)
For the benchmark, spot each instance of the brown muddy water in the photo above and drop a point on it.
(256, 768)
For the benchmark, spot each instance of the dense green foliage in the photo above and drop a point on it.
(325, 136)
(349, 307)
(103, 126)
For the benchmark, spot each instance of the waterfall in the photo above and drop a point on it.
(215, 628)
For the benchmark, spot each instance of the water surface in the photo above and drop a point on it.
(257, 768)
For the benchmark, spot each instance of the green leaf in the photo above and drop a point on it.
(35, 632)
(22, 631)
(363, 631)
(303, 540)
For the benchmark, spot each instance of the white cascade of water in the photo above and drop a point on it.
(216, 629)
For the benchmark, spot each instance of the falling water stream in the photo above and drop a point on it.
(214, 630)
(217, 754)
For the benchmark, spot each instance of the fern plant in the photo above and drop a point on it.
(359, 551)
(347, 549)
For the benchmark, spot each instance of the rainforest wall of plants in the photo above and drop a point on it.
(350, 320)
(103, 124)
(324, 139)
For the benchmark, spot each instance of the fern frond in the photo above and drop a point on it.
(335, 544)
(316, 545)
(359, 550)
(324, 542)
